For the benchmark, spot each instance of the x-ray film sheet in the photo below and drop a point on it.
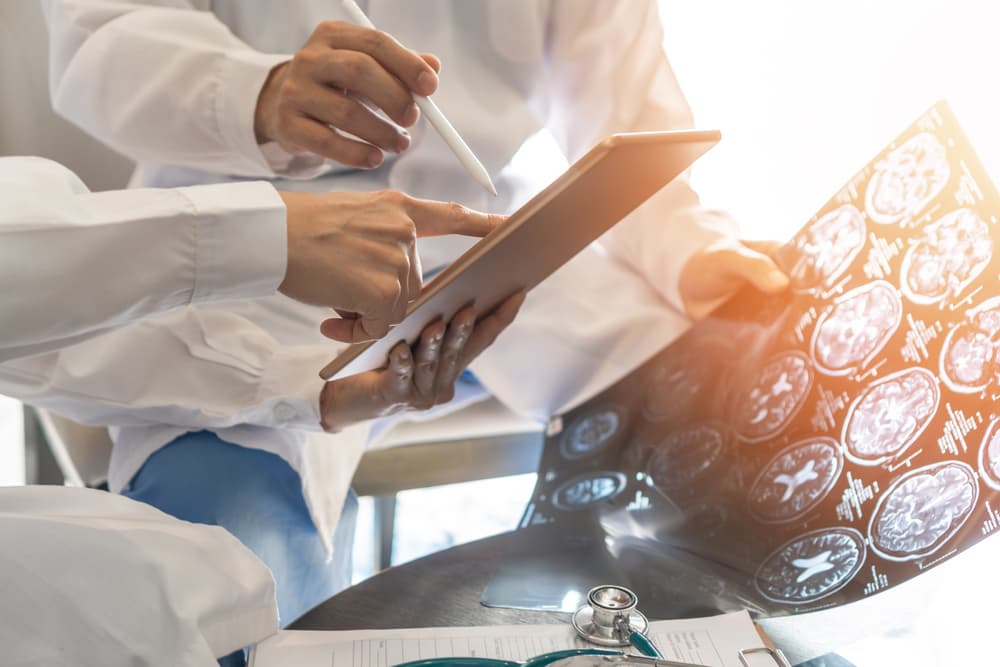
(793, 453)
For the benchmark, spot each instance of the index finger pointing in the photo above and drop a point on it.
(436, 218)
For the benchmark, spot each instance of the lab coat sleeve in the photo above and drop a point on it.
(609, 73)
(198, 367)
(93, 578)
(159, 81)
(75, 263)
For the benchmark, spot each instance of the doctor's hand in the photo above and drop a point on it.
(331, 87)
(716, 272)
(418, 378)
(357, 253)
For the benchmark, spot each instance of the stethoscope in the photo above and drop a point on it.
(610, 618)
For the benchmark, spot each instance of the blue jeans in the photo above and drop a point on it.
(257, 497)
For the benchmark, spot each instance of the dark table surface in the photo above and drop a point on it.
(438, 590)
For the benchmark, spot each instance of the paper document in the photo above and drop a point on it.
(710, 641)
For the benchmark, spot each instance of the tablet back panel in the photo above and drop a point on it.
(596, 192)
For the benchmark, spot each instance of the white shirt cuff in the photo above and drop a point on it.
(241, 77)
(290, 386)
(242, 240)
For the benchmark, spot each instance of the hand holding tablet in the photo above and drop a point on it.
(595, 193)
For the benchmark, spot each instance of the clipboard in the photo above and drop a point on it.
(595, 193)
(719, 640)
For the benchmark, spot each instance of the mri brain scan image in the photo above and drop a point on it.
(685, 456)
(855, 328)
(796, 480)
(585, 490)
(970, 355)
(907, 180)
(823, 250)
(591, 433)
(812, 566)
(774, 398)
(952, 253)
(888, 416)
(922, 510)
(678, 386)
(989, 456)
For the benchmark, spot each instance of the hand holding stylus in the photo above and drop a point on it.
(328, 89)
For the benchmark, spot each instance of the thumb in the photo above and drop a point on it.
(758, 269)
(356, 329)
(436, 218)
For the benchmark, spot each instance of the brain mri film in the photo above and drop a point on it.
(585, 490)
(685, 456)
(888, 416)
(907, 179)
(970, 355)
(922, 509)
(812, 566)
(855, 328)
(951, 254)
(775, 396)
(677, 386)
(825, 248)
(796, 480)
(591, 433)
(989, 456)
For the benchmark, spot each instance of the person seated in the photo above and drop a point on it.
(93, 578)
(233, 92)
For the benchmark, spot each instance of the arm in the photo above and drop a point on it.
(201, 367)
(157, 80)
(626, 84)
(75, 263)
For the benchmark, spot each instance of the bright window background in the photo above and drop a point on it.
(806, 93)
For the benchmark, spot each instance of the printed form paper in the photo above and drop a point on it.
(711, 641)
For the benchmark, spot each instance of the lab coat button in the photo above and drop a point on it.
(284, 412)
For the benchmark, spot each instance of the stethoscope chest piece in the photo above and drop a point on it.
(610, 616)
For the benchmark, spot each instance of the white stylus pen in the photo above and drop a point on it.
(435, 117)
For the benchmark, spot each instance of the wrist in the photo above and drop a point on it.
(265, 104)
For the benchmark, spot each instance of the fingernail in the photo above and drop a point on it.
(374, 158)
(426, 83)
(402, 142)
(411, 115)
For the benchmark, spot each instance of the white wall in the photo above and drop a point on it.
(807, 92)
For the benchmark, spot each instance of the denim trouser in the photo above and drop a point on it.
(257, 497)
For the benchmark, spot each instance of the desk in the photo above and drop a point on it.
(437, 590)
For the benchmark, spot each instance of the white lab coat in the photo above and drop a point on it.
(87, 577)
(176, 88)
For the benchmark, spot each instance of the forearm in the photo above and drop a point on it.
(75, 263)
(196, 368)
(162, 82)
(656, 240)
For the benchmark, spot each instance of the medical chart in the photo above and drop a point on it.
(797, 452)
(712, 641)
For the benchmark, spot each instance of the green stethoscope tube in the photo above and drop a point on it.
(643, 645)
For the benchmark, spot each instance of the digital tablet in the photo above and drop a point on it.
(597, 191)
